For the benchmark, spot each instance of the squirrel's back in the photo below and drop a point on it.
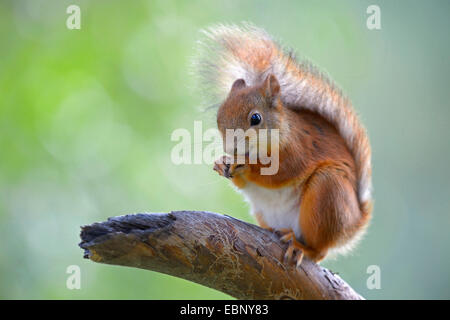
(248, 52)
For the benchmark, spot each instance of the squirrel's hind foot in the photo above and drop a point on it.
(294, 252)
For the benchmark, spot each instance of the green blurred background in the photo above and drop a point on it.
(86, 118)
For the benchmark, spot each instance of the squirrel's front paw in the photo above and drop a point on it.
(225, 167)
(222, 166)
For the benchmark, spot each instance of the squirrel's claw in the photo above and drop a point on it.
(294, 248)
(289, 252)
(222, 166)
(226, 168)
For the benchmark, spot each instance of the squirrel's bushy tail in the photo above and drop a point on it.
(231, 52)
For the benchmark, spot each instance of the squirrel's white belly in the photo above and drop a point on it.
(279, 208)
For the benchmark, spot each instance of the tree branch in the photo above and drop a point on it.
(218, 251)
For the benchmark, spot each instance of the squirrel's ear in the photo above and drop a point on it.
(271, 86)
(238, 84)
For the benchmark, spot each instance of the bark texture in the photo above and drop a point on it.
(218, 251)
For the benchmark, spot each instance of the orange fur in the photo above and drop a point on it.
(324, 152)
(313, 156)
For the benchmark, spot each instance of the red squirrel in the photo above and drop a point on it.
(320, 198)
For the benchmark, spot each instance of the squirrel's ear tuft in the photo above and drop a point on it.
(238, 84)
(271, 86)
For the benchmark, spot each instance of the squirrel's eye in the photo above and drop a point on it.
(255, 119)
